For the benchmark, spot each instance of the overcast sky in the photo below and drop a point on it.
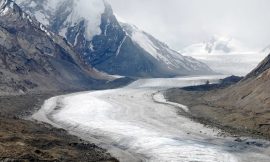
(180, 23)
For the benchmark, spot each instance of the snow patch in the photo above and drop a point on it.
(3, 3)
(44, 29)
(4, 8)
(4, 11)
(76, 39)
(90, 11)
(63, 32)
(120, 46)
(106, 27)
(41, 18)
(29, 18)
(91, 46)
(143, 41)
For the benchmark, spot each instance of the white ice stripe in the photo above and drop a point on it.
(76, 39)
(160, 98)
(120, 46)
(4, 11)
(106, 27)
(3, 3)
(143, 41)
(44, 30)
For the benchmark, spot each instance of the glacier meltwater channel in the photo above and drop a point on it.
(136, 123)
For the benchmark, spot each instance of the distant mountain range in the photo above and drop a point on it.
(107, 45)
(216, 45)
(226, 55)
(247, 101)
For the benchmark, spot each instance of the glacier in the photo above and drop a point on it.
(135, 123)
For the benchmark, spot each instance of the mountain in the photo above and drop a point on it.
(250, 98)
(266, 50)
(225, 55)
(35, 59)
(105, 44)
(163, 55)
(216, 45)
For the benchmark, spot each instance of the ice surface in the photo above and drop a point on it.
(131, 120)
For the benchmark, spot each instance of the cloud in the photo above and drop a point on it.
(183, 22)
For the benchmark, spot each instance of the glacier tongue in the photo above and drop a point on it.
(137, 120)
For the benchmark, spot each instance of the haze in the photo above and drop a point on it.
(180, 23)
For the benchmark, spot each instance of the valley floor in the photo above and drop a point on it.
(24, 140)
(133, 123)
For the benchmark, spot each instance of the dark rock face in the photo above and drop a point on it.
(263, 66)
(32, 58)
(113, 50)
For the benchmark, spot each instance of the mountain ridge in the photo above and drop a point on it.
(112, 50)
(35, 59)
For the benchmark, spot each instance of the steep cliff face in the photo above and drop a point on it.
(102, 42)
(34, 59)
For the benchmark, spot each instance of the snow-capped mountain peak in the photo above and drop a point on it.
(91, 27)
(145, 41)
(226, 55)
(266, 50)
(161, 51)
(216, 45)
(73, 11)
(221, 44)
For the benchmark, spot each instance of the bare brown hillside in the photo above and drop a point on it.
(248, 101)
(242, 108)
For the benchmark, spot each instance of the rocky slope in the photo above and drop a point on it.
(241, 108)
(250, 93)
(248, 101)
(91, 27)
(25, 140)
(34, 59)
